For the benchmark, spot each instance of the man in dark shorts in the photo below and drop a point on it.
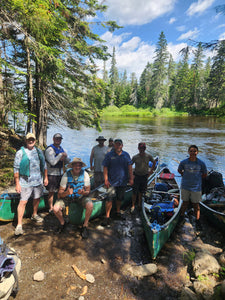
(141, 173)
(56, 157)
(117, 172)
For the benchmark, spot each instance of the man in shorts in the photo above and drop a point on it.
(141, 173)
(98, 153)
(117, 172)
(192, 170)
(56, 157)
(74, 186)
(29, 170)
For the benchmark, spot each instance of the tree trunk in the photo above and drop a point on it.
(2, 102)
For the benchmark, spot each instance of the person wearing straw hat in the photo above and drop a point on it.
(98, 153)
(30, 171)
(56, 157)
(74, 186)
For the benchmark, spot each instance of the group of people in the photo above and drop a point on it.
(112, 168)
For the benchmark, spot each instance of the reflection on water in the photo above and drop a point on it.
(167, 137)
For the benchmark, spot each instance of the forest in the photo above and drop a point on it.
(48, 69)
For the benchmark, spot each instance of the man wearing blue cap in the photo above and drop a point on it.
(117, 172)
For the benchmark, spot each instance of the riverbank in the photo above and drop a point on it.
(106, 255)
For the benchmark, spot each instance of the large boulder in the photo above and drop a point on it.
(205, 263)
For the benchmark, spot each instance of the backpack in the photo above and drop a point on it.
(161, 212)
(213, 179)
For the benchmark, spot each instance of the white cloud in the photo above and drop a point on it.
(191, 34)
(199, 7)
(172, 20)
(174, 49)
(133, 12)
(222, 36)
(181, 28)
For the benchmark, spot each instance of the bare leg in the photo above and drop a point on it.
(50, 200)
(108, 207)
(58, 213)
(35, 206)
(183, 208)
(89, 208)
(134, 196)
(196, 210)
(20, 211)
(118, 205)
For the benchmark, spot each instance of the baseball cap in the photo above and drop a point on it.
(118, 141)
(57, 135)
(30, 136)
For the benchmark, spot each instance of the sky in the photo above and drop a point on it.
(144, 20)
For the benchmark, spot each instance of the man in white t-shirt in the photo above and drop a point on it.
(74, 186)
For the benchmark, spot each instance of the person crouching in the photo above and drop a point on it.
(74, 186)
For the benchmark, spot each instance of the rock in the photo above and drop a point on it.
(81, 298)
(204, 263)
(103, 261)
(222, 259)
(39, 276)
(90, 278)
(223, 289)
(188, 294)
(139, 271)
(204, 288)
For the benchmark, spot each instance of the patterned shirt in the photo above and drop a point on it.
(35, 177)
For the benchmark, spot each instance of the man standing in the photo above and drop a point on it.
(56, 157)
(141, 172)
(192, 170)
(29, 169)
(74, 186)
(110, 145)
(98, 153)
(117, 172)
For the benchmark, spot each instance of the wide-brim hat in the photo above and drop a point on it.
(76, 160)
(101, 138)
(30, 136)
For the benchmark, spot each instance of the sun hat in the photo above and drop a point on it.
(30, 136)
(101, 138)
(57, 135)
(76, 160)
(118, 141)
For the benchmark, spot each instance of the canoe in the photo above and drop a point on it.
(160, 209)
(213, 207)
(76, 214)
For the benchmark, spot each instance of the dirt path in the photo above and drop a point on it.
(103, 255)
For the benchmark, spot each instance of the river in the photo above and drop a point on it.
(169, 138)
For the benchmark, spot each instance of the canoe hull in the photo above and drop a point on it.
(156, 238)
(215, 217)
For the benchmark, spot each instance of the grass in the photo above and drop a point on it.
(189, 256)
(131, 111)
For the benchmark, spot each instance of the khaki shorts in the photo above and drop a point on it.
(62, 203)
(194, 197)
(34, 191)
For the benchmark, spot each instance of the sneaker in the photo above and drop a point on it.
(106, 222)
(61, 228)
(84, 232)
(19, 230)
(37, 218)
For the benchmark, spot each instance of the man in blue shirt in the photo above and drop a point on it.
(192, 171)
(117, 172)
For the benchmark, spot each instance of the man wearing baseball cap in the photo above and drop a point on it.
(56, 158)
(29, 171)
(141, 173)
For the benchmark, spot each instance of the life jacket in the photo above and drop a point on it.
(57, 151)
(75, 184)
(25, 162)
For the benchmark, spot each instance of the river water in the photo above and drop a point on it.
(169, 138)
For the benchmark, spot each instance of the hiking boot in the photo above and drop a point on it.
(37, 218)
(84, 232)
(61, 228)
(198, 225)
(119, 216)
(19, 230)
(106, 222)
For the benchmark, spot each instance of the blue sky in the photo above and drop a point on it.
(143, 21)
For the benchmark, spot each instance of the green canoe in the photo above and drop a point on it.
(159, 222)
